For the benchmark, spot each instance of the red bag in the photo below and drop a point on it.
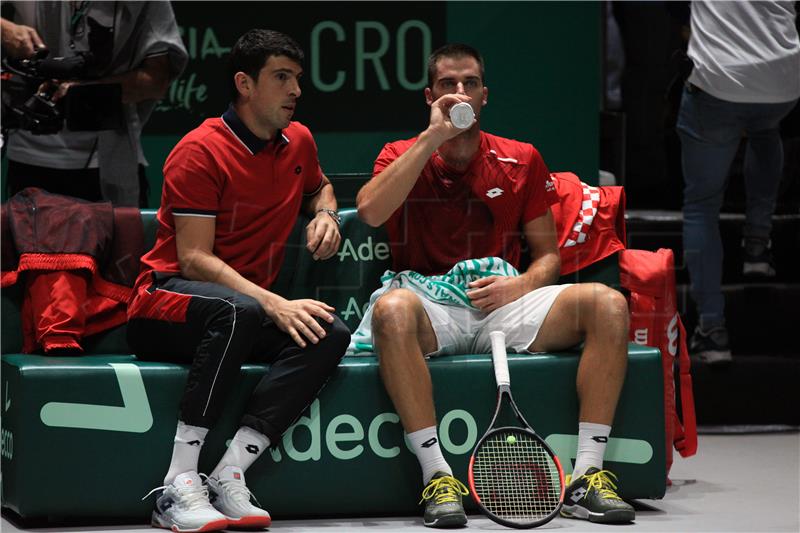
(590, 221)
(650, 278)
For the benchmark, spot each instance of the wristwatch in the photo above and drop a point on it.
(334, 215)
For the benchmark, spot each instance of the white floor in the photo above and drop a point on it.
(735, 483)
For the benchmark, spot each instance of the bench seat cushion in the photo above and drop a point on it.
(72, 424)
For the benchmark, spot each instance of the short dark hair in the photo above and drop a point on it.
(453, 50)
(254, 48)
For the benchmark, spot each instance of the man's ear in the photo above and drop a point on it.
(485, 96)
(428, 96)
(243, 83)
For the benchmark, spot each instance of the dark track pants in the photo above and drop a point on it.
(217, 329)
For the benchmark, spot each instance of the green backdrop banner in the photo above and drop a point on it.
(365, 65)
(365, 71)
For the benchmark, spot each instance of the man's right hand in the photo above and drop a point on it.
(441, 128)
(385, 192)
(296, 317)
(20, 41)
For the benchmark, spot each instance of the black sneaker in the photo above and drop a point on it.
(758, 260)
(442, 497)
(593, 497)
(711, 347)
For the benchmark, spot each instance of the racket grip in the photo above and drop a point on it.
(500, 358)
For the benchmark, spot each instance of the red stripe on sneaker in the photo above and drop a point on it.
(250, 521)
(214, 525)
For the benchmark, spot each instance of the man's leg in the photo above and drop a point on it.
(213, 328)
(763, 168)
(598, 316)
(403, 334)
(710, 130)
(295, 378)
(206, 324)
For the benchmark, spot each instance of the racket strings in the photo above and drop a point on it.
(516, 478)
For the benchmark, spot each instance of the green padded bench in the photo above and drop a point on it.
(70, 424)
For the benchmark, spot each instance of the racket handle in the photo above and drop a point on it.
(500, 358)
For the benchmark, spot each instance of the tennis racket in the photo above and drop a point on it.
(515, 478)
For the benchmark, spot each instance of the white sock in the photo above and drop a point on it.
(186, 450)
(592, 440)
(425, 445)
(246, 446)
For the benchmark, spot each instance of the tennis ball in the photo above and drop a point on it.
(511, 439)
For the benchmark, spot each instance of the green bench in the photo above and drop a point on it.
(89, 436)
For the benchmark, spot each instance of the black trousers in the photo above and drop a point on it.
(221, 329)
(81, 183)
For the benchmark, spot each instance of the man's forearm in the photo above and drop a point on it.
(201, 266)
(543, 271)
(147, 82)
(384, 193)
(324, 199)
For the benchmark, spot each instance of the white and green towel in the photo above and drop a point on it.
(447, 289)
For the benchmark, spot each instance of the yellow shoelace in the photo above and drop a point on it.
(443, 490)
(601, 482)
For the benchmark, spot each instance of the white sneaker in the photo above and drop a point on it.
(183, 506)
(231, 497)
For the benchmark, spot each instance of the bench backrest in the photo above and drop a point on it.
(345, 281)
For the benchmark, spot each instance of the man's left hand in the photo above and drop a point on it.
(63, 88)
(323, 236)
(493, 292)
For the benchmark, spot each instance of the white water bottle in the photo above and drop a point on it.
(462, 115)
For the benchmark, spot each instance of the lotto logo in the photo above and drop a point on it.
(578, 495)
(428, 443)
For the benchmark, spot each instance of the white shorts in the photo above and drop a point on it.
(462, 330)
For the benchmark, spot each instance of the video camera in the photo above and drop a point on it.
(86, 107)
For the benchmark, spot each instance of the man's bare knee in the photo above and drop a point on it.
(396, 313)
(613, 308)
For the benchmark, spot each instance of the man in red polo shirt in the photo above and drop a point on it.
(452, 194)
(233, 189)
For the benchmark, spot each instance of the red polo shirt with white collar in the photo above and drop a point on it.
(253, 188)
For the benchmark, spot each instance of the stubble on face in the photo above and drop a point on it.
(274, 98)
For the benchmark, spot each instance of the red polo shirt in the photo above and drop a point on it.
(253, 188)
(449, 216)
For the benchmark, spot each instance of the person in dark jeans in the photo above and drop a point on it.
(233, 189)
(745, 80)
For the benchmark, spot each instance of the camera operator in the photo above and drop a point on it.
(134, 44)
